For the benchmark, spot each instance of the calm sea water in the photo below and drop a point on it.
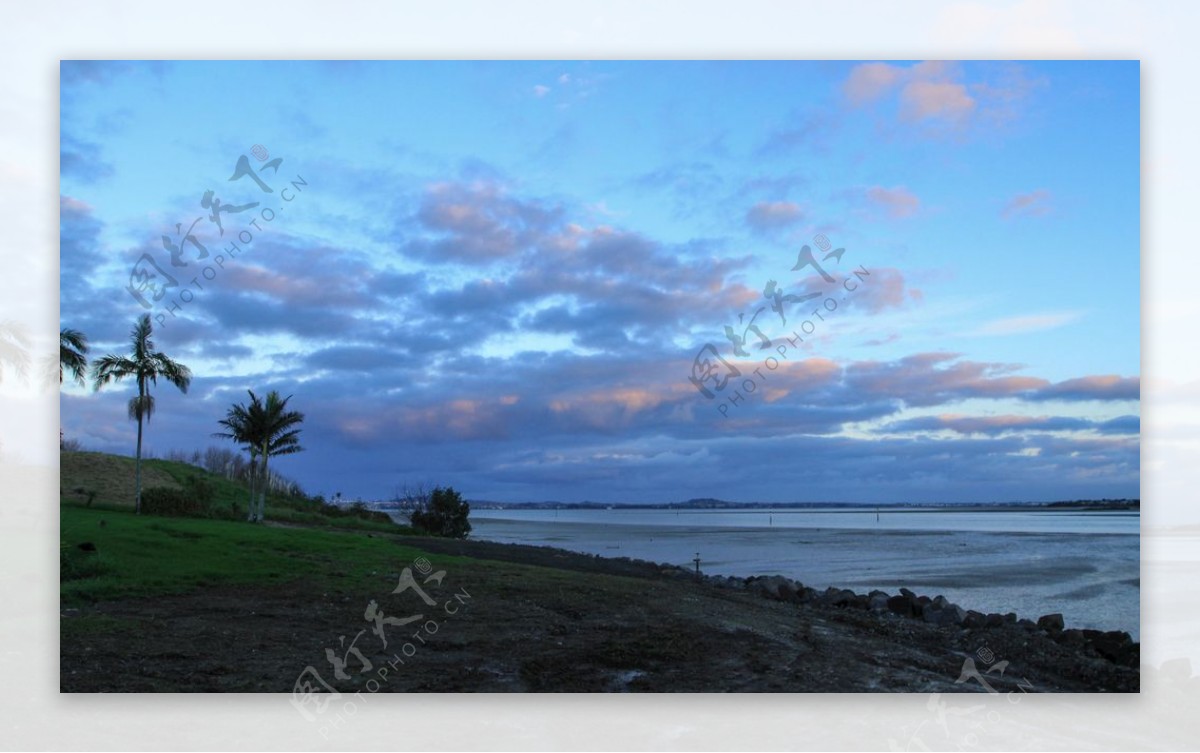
(1082, 564)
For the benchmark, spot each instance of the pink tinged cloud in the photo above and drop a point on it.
(1106, 387)
(897, 202)
(1032, 204)
(925, 100)
(870, 81)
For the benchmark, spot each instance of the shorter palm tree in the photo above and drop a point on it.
(72, 354)
(239, 422)
(266, 428)
(146, 365)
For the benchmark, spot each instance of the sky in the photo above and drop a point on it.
(532, 280)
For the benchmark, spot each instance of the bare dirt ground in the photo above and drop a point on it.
(519, 618)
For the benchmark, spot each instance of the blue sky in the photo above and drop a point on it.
(498, 275)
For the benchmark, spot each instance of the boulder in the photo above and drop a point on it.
(902, 605)
(773, 587)
(1073, 638)
(950, 615)
(1114, 646)
(994, 620)
(974, 619)
(844, 598)
(877, 601)
(1051, 623)
(906, 592)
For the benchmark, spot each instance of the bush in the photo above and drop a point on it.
(445, 514)
(172, 503)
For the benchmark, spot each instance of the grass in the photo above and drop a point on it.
(100, 481)
(139, 555)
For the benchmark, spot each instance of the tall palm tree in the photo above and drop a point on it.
(277, 433)
(239, 421)
(72, 354)
(146, 365)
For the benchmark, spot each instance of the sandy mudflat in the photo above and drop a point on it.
(1092, 579)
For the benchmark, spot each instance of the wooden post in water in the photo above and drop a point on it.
(697, 561)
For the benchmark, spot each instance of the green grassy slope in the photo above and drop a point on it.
(142, 555)
(111, 477)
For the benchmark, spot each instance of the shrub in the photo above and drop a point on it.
(444, 514)
(172, 503)
(200, 489)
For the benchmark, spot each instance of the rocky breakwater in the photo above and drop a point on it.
(1117, 647)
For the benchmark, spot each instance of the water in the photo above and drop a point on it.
(1032, 562)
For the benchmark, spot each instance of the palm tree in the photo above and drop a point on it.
(266, 428)
(239, 421)
(277, 434)
(72, 354)
(145, 364)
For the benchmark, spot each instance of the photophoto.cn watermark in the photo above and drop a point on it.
(155, 285)
(312, 696)
(729, 386)
(971, 724)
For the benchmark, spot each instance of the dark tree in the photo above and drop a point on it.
(442, 513)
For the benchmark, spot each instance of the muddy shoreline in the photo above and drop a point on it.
(547, 620)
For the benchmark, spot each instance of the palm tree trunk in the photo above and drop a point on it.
(137, 475)
(253, 475)
(262, 490)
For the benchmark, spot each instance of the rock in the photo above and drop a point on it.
(1073, 638)
(877, 601)
(951, 615)
(1114, 646)
(1011, 618)
(1027, 624)
(909, 594)
(902, 605)
(1052, 623)
(994, 620)
(773, 587)
(974, 619)
(844, 598)
(940, 602)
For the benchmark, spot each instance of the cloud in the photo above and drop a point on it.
(938, 97)
(811, 130)
(897, 202)
(540, 91)
(766, 216)
(1032, 204)
(1107, 387)
(923, 100)
(81, 160)
(870, 81)
(998, 425)
(1019, 325)
(926, 379)
(477, 223)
